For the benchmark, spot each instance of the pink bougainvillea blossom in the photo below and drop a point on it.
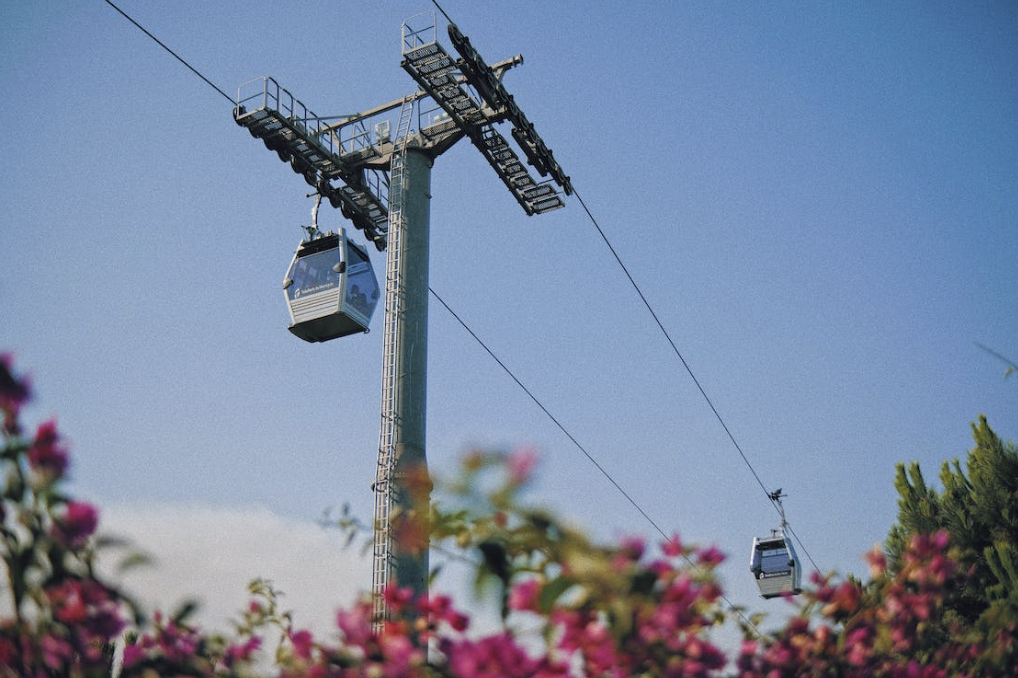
(14, 393)
(673, 547)
(521, 465)
(47, 456)
(78, 522)
(524, 595)
(588, 610)
(711, 557)
(242, 652)
(436, 610)
(497, 656)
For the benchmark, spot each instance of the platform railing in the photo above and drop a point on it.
(420, 29)
(265, 93)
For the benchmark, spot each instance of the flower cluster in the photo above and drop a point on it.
(570, 607)
(896, 626)
(614, 610)
(64, 618)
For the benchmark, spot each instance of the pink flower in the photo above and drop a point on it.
(521, 464)
(303, 643)
(632, 547)
(712, 557)
(524, 596)
(78, 523)
(858, 645)
(877, 560)
(841, 601)
(397, 598)
(13, 394)
(438, 608)
(242, 652)
(355, 625)
(56, 653)
(47, 456)
(492, 657)
(399, 655)
(133, 653)
(673, 547)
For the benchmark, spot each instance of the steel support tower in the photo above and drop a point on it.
(381, 182)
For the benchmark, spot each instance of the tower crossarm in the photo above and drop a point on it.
(489, 86)
(304, 140)
(534, 197)
(438, 74)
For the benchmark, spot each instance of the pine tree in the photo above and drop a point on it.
(978, 506)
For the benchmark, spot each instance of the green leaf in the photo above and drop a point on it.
(552, 591)
(133, 560)
(105, 541)
(185, 610)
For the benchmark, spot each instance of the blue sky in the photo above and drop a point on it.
(820, 201)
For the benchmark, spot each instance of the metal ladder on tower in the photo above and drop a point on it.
(382, 565)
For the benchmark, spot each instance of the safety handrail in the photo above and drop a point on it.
(265, 93)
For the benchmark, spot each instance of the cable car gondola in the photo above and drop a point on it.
(330, 287)
(773, 561)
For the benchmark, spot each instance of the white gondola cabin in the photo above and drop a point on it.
(775, 566)
(330, 287)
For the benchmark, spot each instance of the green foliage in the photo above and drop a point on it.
(978, 506)
(918, 510)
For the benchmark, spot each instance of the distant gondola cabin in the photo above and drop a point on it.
(330, 287)
(775, 566)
